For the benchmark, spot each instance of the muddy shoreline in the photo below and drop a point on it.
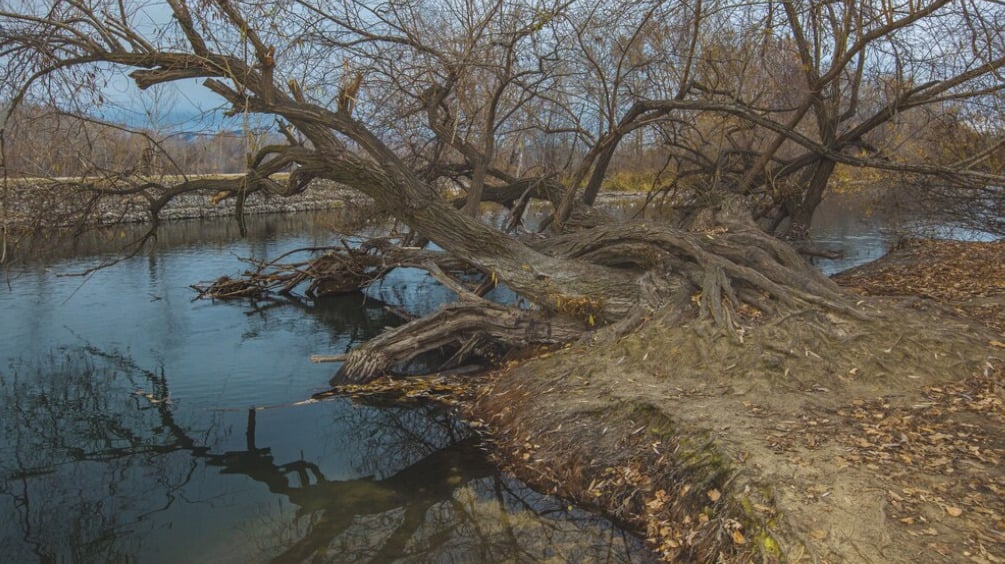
(876, 465)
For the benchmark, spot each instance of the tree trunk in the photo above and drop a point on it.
(812, 196)
(469, 327)
(597, 178)
(594, 277)
(476, 188)
(545, 280)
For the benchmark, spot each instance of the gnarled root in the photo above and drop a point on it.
(466, 326)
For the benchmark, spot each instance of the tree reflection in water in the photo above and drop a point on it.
(96, 465)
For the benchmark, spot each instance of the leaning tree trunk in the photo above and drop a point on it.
(803, 215)
(548, 281)
(593, 277)
(469, 327)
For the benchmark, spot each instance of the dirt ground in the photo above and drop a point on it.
(884, 445)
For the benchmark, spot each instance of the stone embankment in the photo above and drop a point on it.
(63, 203)
(319, 195)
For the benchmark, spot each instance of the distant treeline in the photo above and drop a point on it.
(45, 142)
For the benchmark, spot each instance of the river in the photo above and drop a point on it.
(139, 425)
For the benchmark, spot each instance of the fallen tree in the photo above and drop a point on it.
(712, 291)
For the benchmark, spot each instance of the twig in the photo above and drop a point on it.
(319, 358)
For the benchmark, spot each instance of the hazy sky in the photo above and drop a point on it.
(179, 105)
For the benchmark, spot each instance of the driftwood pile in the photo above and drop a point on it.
(327, 271)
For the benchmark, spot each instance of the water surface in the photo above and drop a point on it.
(139, 425)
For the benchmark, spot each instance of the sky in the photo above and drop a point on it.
(183, 105)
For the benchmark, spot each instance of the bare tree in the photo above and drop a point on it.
(397, 99)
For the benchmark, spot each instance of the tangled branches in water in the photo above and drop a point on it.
(336, 270)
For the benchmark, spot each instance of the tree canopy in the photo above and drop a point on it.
(739, 115)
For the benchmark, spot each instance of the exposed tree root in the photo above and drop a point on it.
(465, 326)
(734, 267)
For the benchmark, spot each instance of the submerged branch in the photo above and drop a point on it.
(336, 270)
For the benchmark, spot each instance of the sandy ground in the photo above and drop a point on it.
(880, 461)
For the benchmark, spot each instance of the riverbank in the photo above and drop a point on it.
(62, 202)
(876, 462)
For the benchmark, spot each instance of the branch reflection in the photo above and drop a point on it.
(98, 465)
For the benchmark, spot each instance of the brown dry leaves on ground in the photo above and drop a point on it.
(935, 463)
(968, 277)
(867, 464)
(944, 270)
(954, 438)
(946, 450)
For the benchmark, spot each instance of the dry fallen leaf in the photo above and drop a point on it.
(818, 534)
(738, 537)
(713, 495)
(954, 511)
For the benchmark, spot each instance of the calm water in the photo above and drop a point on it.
(865, 236)
(141, 426)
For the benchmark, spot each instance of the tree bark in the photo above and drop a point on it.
(812, 196)
(466, 326)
